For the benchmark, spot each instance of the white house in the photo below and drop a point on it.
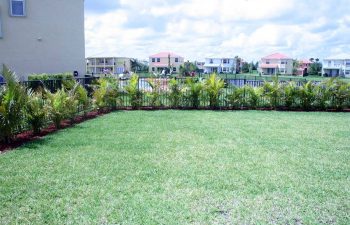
(42, 36)
(276, 63)
(219, 65)
(336, 66)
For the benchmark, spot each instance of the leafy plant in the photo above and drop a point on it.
(272, 91)
(289, 94)
(214, 86)
(12, 102)
(36, 111)
(58, 103)
(307, 95)
(252, 96)
(340, 93)
(236, 99)
(155, 93)
(106, 93)
(133, 91)
(194, 90)
(175, 93)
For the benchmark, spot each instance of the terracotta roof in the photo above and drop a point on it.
(265, 66)
(165, 54)
(276, 56)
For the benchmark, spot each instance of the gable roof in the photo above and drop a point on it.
(165, 55)
(277, 56)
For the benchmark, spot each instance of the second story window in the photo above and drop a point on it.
(158, 59)
(211, 61)
(267, 62)
(176, 59)
(153, 60)
(224, 61)
(17, 8)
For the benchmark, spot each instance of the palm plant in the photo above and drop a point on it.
(155, 92)
(272, 92)
(307, 95)
(106, 94)
(323, 94)
(36, 111)
(57, 103)
(133, 91)
(340, 93)
(175, 93)
(214, 86)
(236, 99)
(253, 96)
(289, 93)
(12, 101)
(194, 90)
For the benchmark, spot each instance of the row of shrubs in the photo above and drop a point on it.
(49, 76)
(21, 108)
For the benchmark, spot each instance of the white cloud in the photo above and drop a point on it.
(198, 28)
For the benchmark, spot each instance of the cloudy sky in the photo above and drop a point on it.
(197, 29)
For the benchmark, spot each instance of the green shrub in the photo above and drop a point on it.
(58, 105)
(272, 91)
(236, 99)
(340, 93)
(214, 87)
(36, 111)
(155, 93)
(105, 94)
(175, 93)
(252, 96)
(307, 95)
(193, 90)
(289, 94)
(133, 92)
(46, 76)
(12, 106)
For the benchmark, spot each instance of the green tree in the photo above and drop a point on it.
(315, 67)
(187, 68)
(245, 67)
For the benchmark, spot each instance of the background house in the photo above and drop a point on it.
(161, 61)
(336, 66)
(303, 68)
(220, 65)
(276, 64)
(108, 65)
(42, 36)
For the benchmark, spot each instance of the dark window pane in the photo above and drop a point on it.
(17, 8)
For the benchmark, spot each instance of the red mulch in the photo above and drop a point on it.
(28, 136)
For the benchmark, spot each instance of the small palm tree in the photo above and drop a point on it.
(214, 86)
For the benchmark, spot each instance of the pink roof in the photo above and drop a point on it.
(276, 56)
(165, 54)
(265, 66)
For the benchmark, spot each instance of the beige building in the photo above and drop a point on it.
(276, 64)
(162, 60)
(42, 36)
(108, 65)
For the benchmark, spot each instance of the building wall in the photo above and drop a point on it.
(287, 67)
(164, 61)
(49, 39)
(229, 65)
(103, 65)
(336, 67)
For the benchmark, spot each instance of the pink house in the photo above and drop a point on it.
(303, 67)
(163, 60)
(276, 63)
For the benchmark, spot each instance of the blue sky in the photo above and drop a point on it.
(197, 29)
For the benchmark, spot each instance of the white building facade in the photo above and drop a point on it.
(42, 36)
(335, 67)
(219, 65)
(108, 65)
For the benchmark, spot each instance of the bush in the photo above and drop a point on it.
(340, 93)
(46, 76)
(289, 94)
(133, 92)
(272, 91)
(214, 86)
(236, 99)
(307, 95)
(58, 105)
(155, 93)
(252, 96)
(105, 94)
(36, 111)
(12, 101)
(175, 93)
(193, 90)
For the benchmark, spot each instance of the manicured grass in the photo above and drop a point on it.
(183, 167)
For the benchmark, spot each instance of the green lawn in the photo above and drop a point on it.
(183, 167)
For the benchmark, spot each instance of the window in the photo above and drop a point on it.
(174, 69)
(158, 59)
(347, 72)
(224, 69)
(225, 61)
(153, 69)
(267, 62)
(211, 61)
(176, 60)
(283, 62)
(153, 60)
(17, 8)
(347, 63)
